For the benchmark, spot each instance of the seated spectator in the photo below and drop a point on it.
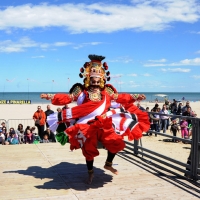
(2, 137)
(11, 130)
(3, 127)
(45, 138)
(36, 137)
(20, 133)
(27, 128)
(28, 137)
(12, 140)
(33, 130)
(50, 134)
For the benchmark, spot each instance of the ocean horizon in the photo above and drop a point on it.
(34, 97)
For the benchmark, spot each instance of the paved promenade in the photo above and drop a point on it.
(51, 171)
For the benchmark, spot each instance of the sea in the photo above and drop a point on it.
(34, 97)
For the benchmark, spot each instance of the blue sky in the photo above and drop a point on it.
(149, 45)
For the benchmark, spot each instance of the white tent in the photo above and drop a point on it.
(160, 95)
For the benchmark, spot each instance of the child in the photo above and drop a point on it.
(174, 128)
(45, 139)
(184, 128)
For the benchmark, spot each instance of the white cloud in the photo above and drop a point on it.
(116, 75)
(132, 75)
(195, 61)
(123, 59)
(61, 44)
(134, 85)
(158, 61)
(196, 76)
(146, 74)
(37, 56)
(19, 46)
(86, 44)
(22, 44)
(176, 70)
(195, 32)
(185, 62)
(152, 15)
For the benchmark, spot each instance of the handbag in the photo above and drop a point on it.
(37, 122)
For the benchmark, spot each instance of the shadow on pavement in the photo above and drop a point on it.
(65, 176)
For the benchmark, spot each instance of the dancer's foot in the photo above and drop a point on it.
(90, 178)
(110, 168)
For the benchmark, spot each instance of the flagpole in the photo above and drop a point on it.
(4, 89)
(28, 88)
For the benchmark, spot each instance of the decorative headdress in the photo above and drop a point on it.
(94, 68)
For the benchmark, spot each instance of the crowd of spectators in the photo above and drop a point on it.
(171, 121)
(29, 135)
(158, 121)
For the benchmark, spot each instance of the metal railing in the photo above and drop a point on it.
(15, 122)
(189, 169)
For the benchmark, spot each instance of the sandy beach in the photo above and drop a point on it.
(25, 111)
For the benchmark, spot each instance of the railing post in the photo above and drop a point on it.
(195, 149)
(135, 144)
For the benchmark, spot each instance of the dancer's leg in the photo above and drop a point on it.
(90, 170)
(108, 164)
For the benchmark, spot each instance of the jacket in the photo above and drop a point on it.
(41, 116)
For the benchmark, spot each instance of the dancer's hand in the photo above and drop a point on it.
(141, 97)
(43, 96)
(103, 116)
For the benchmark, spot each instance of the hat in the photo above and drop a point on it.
(95, 68)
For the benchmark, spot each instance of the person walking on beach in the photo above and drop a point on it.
(188, 113)
(173, 107)
(40, 118)
(164, 118)
(184, 109)
(155, 121)
(174, 129)
(179, 109)
(184, 128)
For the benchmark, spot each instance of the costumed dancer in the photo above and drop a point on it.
(93, 120)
